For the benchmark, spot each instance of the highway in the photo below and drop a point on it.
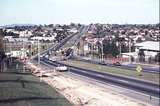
(130, 83)
(126, 82)
(56, 47)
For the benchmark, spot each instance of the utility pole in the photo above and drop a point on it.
(120, 49)
(23, 56)
(39, 61)
(102, 58)
(5, 48)
(129, 50)
(102, 51)
(38, 53)
(31, 50)
(10, 52)
(92, 50)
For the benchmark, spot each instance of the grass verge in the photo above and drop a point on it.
(145, 76)
(19, 88)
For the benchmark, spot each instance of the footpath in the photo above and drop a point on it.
(21, 88)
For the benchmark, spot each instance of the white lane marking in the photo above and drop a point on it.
(83, 71)
(123, 81)
(100, 75)
(158, 89)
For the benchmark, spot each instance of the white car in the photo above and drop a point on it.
(61, 68)
(47, 56)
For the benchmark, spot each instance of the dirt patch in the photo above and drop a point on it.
(82, 93)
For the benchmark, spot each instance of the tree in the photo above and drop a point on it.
(110, 48)
(139, 40)
(114, 49)
(51, 25)
(1, 40)
(141, 56)
(99, 45)
(107, 47)
(2, 53)
(72, 24)
(157, 58)
(79, 24)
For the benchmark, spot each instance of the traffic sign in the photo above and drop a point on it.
(139, 69)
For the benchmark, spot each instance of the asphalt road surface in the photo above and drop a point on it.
(130, 83)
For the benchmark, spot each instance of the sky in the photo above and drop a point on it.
(79, 11)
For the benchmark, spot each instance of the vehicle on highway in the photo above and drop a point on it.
(46, 56)
(102, 63)
(117, 63)
(62, 68)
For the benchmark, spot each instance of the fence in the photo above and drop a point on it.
(147, 60)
